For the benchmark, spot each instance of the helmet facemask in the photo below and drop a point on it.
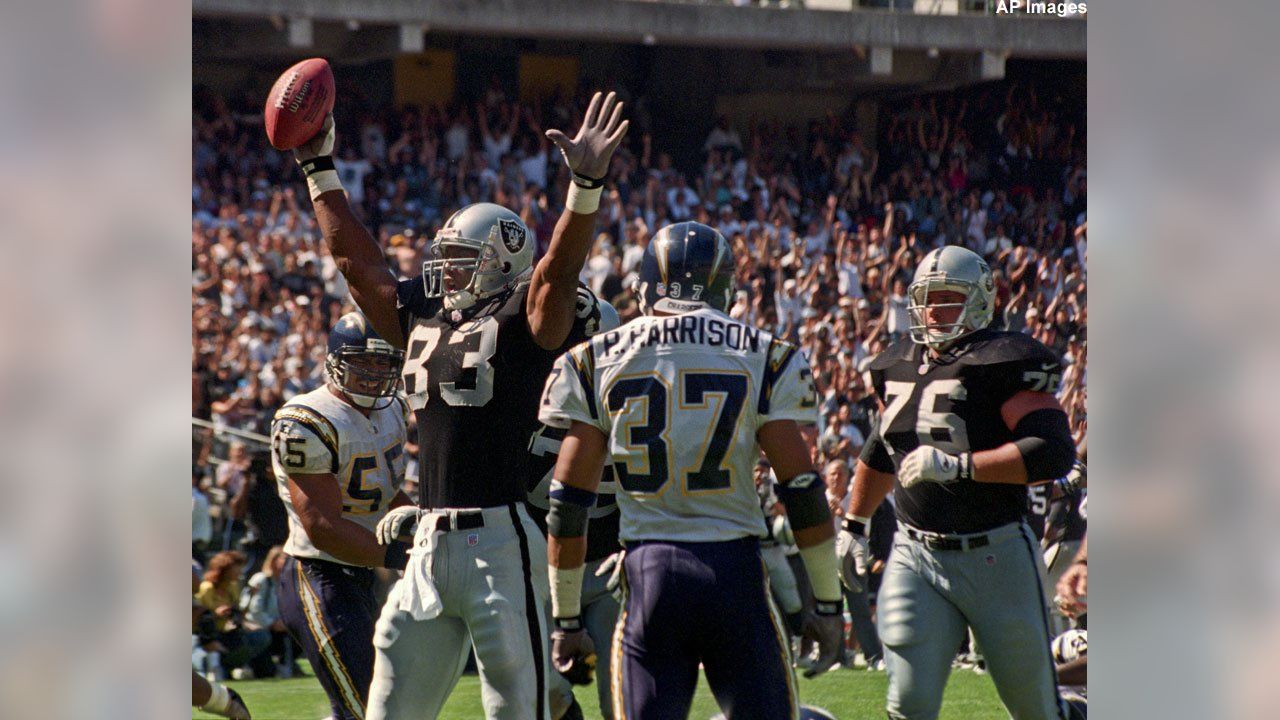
(939, 335)
(366, 375)
(463, 271)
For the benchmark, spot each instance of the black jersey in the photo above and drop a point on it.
(473, 380)
(1058, 519)
(602, 532)
(953, 403)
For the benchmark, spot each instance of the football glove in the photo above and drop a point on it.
(612, 566)
(827, 629)
(399, 521)
(929, 464)
(318, 146)
(588, 153)
(573, 653)
(853, 551)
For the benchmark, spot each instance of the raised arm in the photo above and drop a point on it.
(354, 250)
(553, 290)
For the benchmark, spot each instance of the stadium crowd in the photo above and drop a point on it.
(827, 225)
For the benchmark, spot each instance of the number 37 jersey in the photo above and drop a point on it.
(316, 433)
(681, 398)
(953, 403)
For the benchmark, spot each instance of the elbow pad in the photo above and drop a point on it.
(1044, 439)
(569, 506)
(806, 501)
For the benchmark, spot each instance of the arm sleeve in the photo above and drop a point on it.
(302, 445)
(874, 453)
(570, 395)
(788, 392)
(411, 301)
(1034, 367)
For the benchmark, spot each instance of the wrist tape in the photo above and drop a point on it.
(566, 591)
(321, 174)
(583, 201)
(219, 699)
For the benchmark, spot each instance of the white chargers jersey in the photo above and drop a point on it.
(318, 432)
(681, 398)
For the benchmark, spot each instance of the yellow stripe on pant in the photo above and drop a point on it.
(328, 651)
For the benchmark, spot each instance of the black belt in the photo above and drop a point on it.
(460, 521)
(934, 541)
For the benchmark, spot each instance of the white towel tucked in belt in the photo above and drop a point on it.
(416, 593)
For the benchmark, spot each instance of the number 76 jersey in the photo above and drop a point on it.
(953, 403)
(681, 399)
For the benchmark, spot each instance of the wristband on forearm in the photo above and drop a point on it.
(824, 573)
(582, 200)
(566, 592)
(397, 555)
(219, 699)
(857, 524)
(321, 174)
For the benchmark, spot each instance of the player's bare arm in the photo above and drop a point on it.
(1044, 448)
(803, 493)
(554, 285)
(572, 495)
(354, 250)
(318, 502)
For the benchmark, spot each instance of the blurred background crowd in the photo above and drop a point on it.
(827, 226)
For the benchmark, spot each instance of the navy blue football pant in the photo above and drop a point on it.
(329, 609)
(708, 603)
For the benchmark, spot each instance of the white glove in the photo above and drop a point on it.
(853, 551)
(318, 146)
(929, 464)
(612, 566)
(399, 521)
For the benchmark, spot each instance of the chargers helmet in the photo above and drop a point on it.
(687, 266)
(958, 269)
(482, 250)
(1070, 645)
(362, 365)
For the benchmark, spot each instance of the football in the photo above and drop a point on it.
(298, 102)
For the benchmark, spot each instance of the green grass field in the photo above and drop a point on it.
(848, 694)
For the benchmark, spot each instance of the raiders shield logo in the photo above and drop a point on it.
(512, 235)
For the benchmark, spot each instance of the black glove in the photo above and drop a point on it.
(572, 652)
(825, 627)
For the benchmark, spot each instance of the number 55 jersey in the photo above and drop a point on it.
(316, 433)
(953, 403)
(681, 398)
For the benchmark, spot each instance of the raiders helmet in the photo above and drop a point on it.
(687, 266)
(362, 365)
(482, 250)
(958, 269)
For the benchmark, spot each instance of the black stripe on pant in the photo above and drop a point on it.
(532, 612)
(1035, 559)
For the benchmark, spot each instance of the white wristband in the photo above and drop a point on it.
(581, 200)
(323, 182)
(219, 698)
(566, 591)
(824, 572)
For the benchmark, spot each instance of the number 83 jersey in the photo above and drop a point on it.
(953, 403)
(681, 399)
(316, 433)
